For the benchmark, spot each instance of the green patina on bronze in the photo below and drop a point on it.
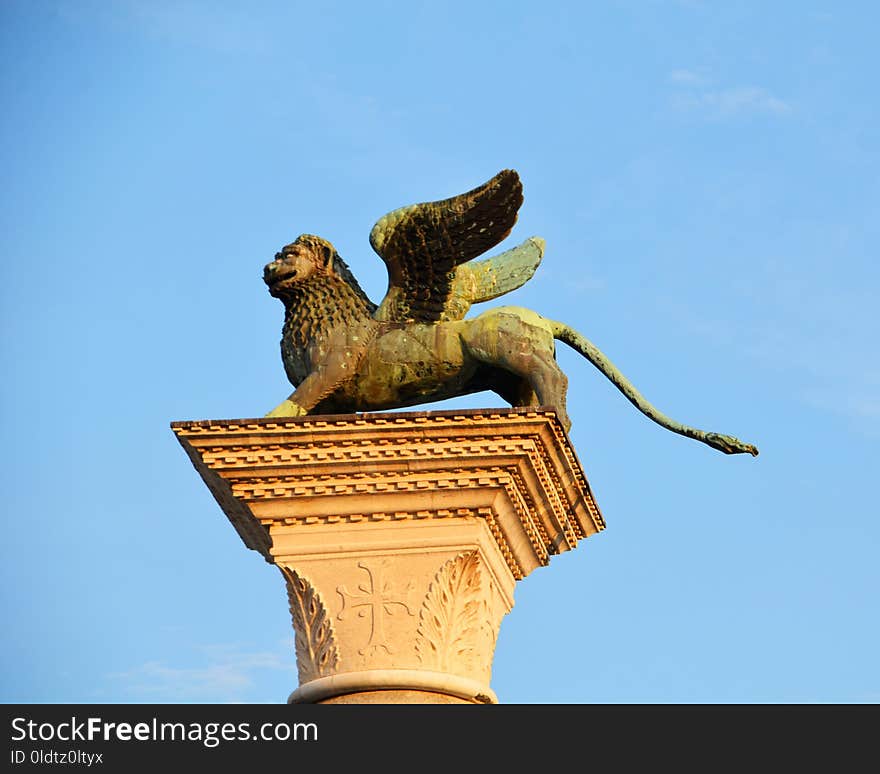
(344, 354)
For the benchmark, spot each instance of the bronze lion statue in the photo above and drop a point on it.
(345, 354)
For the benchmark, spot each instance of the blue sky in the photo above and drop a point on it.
(707, 178)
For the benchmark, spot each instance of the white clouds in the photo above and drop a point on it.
(742, 99)
(686, 77)
(696, 94)
(853, 400)
(228, 675)
(810, 339)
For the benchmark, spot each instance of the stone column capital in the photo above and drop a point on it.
(400, 535)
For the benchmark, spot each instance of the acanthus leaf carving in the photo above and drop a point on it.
(317, 654)
(452, 616)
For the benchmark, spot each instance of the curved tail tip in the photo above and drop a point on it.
(730, 445)
(539, 243)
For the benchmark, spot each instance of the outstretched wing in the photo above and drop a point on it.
(423, 244)
(484, 280)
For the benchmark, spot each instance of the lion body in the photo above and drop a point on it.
(374, 366)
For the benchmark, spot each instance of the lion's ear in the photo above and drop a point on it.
(329, 252)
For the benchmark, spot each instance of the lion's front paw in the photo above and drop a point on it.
(287, 408)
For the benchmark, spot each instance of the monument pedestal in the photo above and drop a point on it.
(400, 536)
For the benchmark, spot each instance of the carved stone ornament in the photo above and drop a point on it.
(455, 629)
(401, 536)
(317, 654)
(377, 599)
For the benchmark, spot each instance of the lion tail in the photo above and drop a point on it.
(725, 443)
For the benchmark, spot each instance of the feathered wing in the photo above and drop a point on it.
(484, 280)
(424, 246)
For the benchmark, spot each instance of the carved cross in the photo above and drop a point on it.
(376, 600)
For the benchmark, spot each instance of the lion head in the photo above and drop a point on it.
(298, 261)
(311, 257)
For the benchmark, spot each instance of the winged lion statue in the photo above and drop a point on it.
(345, 354)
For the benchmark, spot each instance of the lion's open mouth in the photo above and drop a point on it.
(276, 272)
